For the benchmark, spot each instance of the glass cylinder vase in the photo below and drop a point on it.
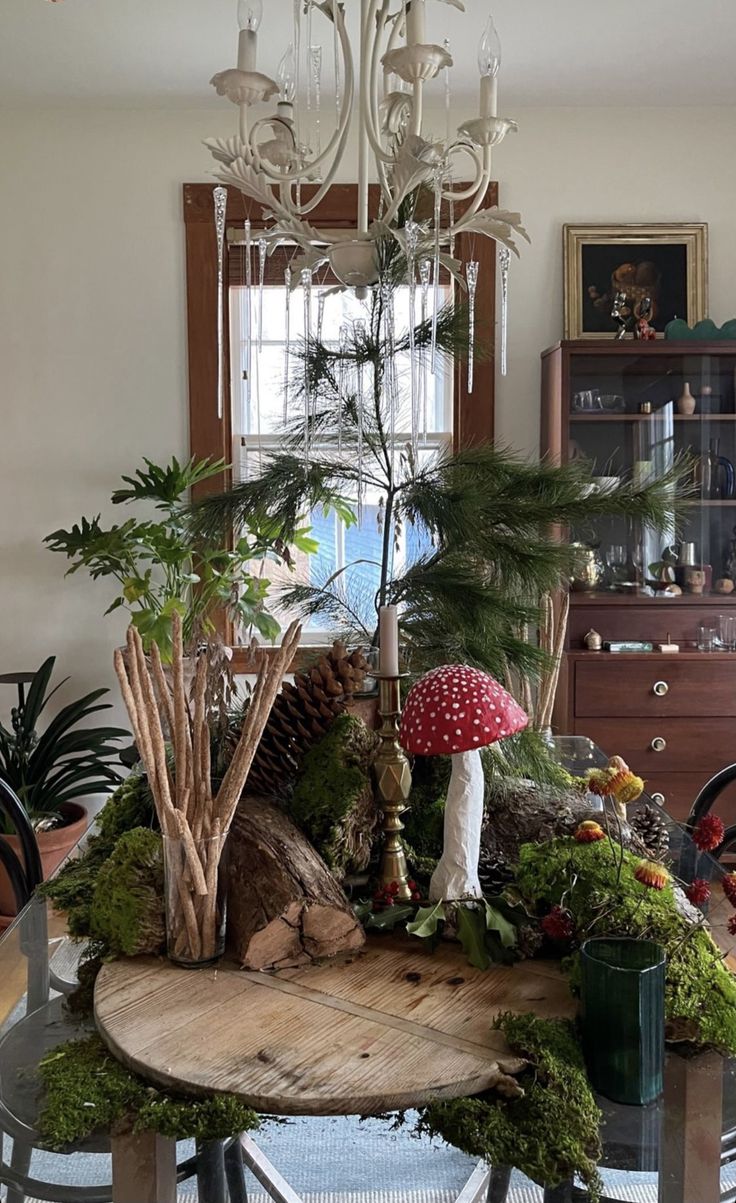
(622, 1017)
(196, 899)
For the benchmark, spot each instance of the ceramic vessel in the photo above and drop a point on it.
(53, 846)
(686, 401)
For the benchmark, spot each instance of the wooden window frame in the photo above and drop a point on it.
(211, 436)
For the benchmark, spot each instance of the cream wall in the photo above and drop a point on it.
(92, 321)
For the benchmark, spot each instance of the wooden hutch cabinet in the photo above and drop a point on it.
(627, 407)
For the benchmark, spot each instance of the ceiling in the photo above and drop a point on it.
(134, 53)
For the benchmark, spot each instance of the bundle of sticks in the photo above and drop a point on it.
(537, 697)
(194, 822)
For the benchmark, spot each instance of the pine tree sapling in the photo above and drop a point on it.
(483, 520)
(459, 710)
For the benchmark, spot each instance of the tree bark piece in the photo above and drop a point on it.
(284, 906)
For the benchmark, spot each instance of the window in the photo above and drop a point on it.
(259, 410)
(220, 437)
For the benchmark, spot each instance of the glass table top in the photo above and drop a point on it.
(649, 1153)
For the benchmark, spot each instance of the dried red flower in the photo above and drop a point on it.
(729, 887)
(589, 831)
(651, 874)
(558, 924)
(708, 833)
(732, 925)
(698, 891)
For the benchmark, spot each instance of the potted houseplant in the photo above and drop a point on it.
(161, 569)
(51, 770)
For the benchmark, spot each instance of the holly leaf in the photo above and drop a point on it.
(387, 920)
(471, 931)
(427, 919)
(497, 922)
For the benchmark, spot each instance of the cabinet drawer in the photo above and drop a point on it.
(662, 685)
(692, 745)
(679, 791)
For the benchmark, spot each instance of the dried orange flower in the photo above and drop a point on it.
(589, 831)
(627, 787)
(651, 874)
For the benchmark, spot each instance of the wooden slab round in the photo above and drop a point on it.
(394, 1028)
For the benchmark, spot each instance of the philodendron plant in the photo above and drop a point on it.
(161, 569)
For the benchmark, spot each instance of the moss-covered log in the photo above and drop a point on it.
(333, 800)
(86, 1090)
(285, 908)
(550, 1132)
(604, 898)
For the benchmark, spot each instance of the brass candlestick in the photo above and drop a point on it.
(393, 780)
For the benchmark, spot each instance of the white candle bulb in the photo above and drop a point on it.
(415, 28)
(287, 74)
(489, 62)
(388, 641)
(250, 14)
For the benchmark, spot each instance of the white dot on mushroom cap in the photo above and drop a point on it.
(446, 738)
(476, 739)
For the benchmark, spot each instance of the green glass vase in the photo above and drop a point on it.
(622, 1017)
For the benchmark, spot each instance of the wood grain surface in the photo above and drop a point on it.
(393, 1028)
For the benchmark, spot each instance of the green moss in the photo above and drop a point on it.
(552, 1132)
(424, 819)
(127, 909)
(87, 1090)
(72, 889)
(333, 800)
(602, 894)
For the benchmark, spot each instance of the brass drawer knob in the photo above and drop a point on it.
(659, 799)
(658, 744)
(660, 688)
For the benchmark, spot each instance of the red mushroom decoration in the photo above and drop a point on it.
(456, 710)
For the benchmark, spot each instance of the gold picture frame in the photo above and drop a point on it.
(670, 260)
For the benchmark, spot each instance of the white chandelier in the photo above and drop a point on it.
(274, 156)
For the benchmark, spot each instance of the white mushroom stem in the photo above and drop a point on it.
(456, 876)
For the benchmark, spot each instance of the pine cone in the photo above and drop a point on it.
(651, 828)
(302, 714)
(494, 872)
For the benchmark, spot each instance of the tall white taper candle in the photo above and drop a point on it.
(388, 641)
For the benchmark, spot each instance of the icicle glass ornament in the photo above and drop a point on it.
(219, 197)
(315, 72)
(336, 57)
(320, 314)
(262, 251)
(448, 98)
(438, 183)
(390, 378)
(287, 340)
(412, 230)
(342, 381)
(471, 271)
(359, 329)
(248, 325)
(306, 279)
(425, 276)
(504, 259)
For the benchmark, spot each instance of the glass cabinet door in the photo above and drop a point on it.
(633, 413)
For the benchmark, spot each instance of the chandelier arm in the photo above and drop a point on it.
(337, 142)
(485, 180)
(451, 194)
(373, 120)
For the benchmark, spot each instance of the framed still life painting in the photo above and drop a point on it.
(664, 265)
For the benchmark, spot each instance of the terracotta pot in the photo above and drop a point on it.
(54, 846)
